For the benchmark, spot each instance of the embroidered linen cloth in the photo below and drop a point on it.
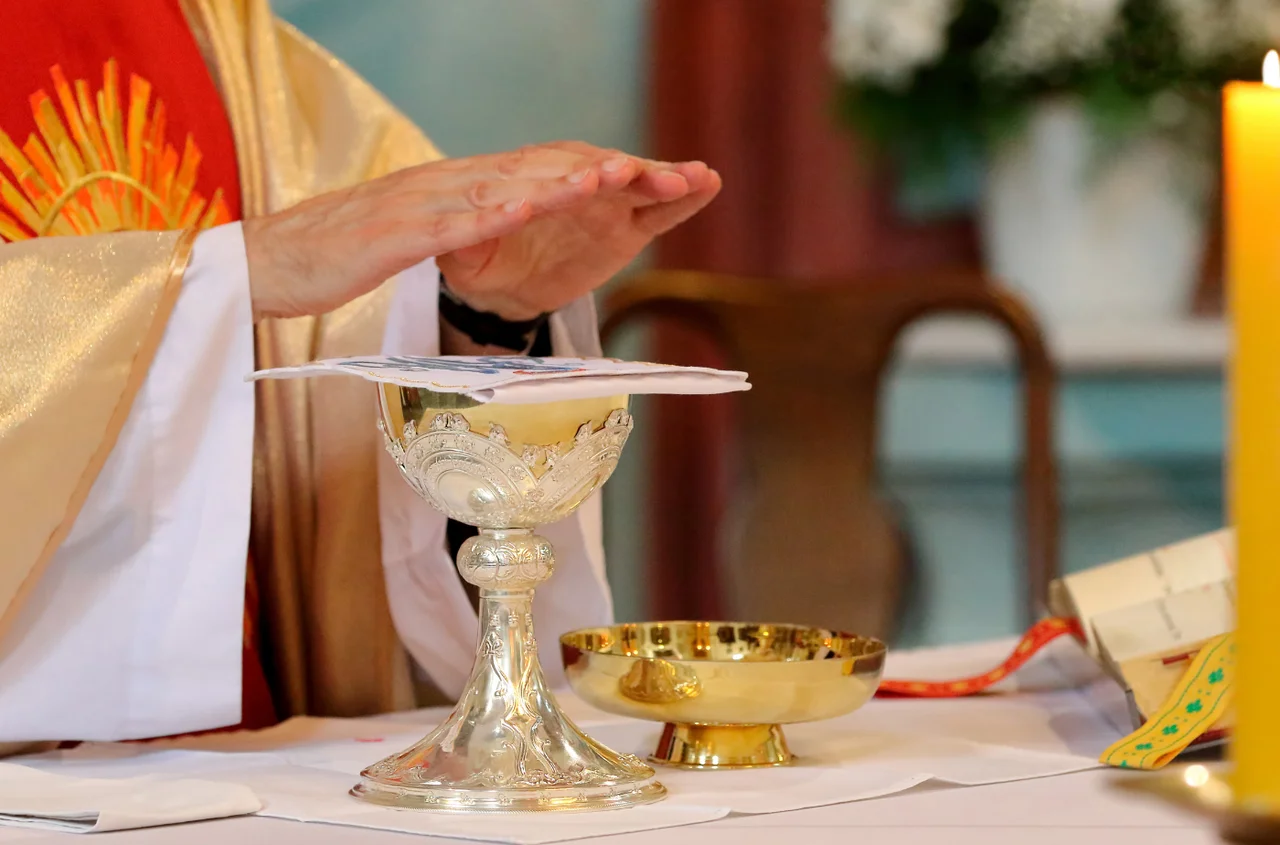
(519, 380)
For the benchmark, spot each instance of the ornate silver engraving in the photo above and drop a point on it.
(632, 760)
(442, 422)
(506, 746)
(507, 563)
(530, 644)
(538, 485)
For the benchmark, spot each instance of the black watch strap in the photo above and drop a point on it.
(488, 329)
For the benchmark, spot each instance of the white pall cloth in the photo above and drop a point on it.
(513, 380)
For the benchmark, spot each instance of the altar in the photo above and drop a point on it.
(1078, 809)
(1054, 707)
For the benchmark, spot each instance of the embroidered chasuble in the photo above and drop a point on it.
(98, 133)
(127, 128)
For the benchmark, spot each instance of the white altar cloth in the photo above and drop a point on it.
(1040, 716)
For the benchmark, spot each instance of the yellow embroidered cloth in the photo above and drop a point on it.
(1199, 702)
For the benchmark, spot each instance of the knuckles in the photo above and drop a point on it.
(510, 163)
(481, 194)
(438, 225)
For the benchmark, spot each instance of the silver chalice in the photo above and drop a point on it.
(505, 469)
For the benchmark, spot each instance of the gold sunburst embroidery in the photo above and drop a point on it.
(99, 168)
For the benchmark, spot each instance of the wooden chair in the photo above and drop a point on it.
(817, 542)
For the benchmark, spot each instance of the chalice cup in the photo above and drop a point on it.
(505, 469)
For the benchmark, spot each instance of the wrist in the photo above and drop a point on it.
(489, 328)
(264, 294)
(455, 342)
(502, 306)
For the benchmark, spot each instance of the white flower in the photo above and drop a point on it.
(1038, 35)
(1210, 29)
(885, 41)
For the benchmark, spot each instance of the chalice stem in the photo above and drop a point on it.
(507, 650)
(507, 680)
(506, 565)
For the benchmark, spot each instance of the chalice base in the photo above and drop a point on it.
(507, 747)
(504, 801)
(692, 746)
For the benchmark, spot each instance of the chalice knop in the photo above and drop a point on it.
(505, 469)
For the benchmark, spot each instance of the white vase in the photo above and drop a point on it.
(1091, 232)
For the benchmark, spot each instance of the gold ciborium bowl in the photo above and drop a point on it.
(505, 469)
(722, 689)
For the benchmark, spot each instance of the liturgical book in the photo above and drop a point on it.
(1145, 618)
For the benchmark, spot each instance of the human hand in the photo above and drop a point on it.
(570, 250)
(328, 250)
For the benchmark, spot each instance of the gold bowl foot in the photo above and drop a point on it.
(722, 746)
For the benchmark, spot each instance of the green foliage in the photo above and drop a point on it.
(1141, 78)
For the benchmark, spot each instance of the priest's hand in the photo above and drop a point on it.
(516, 233)
(327, 250)
(568, 251)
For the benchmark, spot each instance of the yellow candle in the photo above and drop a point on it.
(1252, 197)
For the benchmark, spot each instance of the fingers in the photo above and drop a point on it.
(600, 153)
(438, 234)
(651, 183)
(542, 194)
(655, 185)
(654, 181)
(648, 181)
(658, 185)
(481, 181)
(534, 162)
(658, 218)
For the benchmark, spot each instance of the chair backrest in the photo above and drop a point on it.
(816, 542)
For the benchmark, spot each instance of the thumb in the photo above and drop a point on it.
(662, 217)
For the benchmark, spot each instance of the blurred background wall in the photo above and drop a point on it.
(486, 75)
(1140, 413)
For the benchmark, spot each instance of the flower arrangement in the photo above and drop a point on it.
(924, 79)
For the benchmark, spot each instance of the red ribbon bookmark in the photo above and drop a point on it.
(1040, 635)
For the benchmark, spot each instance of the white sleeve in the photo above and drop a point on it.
(428, 604)
(136, 628)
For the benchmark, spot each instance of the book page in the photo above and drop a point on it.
(1168, 624)
(1145, 578)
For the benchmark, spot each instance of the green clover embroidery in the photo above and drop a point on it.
(1215, 677)
(1195, 706)
(1170, 730)
(1144, 746)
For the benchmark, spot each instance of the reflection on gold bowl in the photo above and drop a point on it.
(723, 689)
